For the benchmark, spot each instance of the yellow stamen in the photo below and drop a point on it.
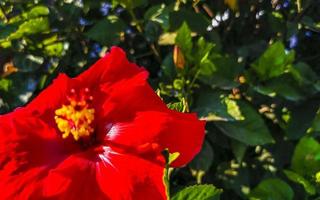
(75, 119)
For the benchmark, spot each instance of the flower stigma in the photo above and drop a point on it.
(76, 117)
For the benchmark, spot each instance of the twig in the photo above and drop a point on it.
(140, 29)
(299, 6)
(4, 14)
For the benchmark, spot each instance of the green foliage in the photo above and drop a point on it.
(184, 40)
(306, 157)
(249, 68)
(301, 180)
(272, 189)
(203, 161)
(113, 25)
(198, 192)
(251, 130)
(273, 62)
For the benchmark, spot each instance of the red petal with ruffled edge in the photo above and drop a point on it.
(29, 149)
(114, 66)
(153, 130)
(35, 162)
(133, 177)
(51, 98)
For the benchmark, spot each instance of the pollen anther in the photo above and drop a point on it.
(76, 118)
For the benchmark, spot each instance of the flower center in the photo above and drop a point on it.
(76, 117)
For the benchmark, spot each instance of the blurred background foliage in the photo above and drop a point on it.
(249, 67)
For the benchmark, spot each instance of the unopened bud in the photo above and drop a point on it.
(178, 57)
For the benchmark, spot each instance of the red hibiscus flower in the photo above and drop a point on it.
(97, 136)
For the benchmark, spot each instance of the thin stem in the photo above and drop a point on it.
(136, 21)
(194, 79)
(140, 29)
(299, 6)
(4, 14)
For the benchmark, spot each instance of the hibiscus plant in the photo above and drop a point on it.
(160, 99)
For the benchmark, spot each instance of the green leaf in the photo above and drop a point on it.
(36, 12)
(203, 50)
(7, 29)
(184, 39)
(303, 73)
(196, 21)
(276, 22)
(198, 192)
(160, 14)
(220, 71)
(310, 23)
(316, 123)
(213, 105)
(204, 159)
(305, 160)
(29, 27)
(310, 189)
(5, 84)
(251, 131)
(274, 62)
(129, 4)
(178, 106)
(284, 86)
(55, 49)
(301, 118)
(233, 109)
(107, 31)
(238, 149)
(272, 189)
(152, 31)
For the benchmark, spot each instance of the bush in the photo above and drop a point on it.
(249, 68)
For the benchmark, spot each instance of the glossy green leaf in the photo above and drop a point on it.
(238, 149)
(220, 71)
(283, 86)
(301, 118)
(251, 131)
(184, 39)
(196, 21)
(273, 62)
(106, 31)
(213, 106)
(198, 192)
(300, 180)
(303, 73)
(272, 189)
(29, 27)
(36, 12)
(306, 157)
(5, 84)
(159, 14)
(55, 49)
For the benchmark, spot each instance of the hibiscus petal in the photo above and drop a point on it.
(154, 131)
(112, 67)
(45, 102)
(73, 179)
(184, 134)
(128, 96)
(29, 149)
(108, 175)
(128, 177)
